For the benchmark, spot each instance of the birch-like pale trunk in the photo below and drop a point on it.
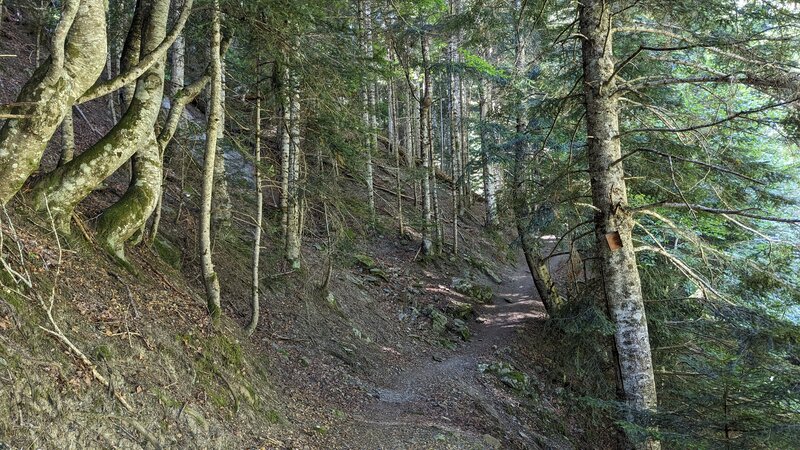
(489, 181)
(417, 158)
(613, 220)
(132, 50)
(254, 299)
(67, 139)
(178, 106)
(437, 216)
(455, 137)
(295, 200)
(210, 278)
(112, 104)
(394, 139)
(77, 57)
(221, 208)
(409, 145)
(426, 149)
(368, 101)
(466, 189)
(285, 144)
(177, 58)
(63, 188)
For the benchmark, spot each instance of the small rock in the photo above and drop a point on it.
(438, 358)
(508, 300)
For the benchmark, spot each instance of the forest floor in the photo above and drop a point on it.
(476, 394)
(381, 360)
(440, 401)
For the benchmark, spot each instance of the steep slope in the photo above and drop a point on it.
(395, 352)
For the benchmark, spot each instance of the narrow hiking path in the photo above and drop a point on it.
(447, 401)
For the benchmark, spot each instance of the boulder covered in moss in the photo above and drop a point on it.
(479, 292)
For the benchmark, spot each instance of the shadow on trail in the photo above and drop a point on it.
(448, 394)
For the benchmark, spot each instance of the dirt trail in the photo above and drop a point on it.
(446, 402)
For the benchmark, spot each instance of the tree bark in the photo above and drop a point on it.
(368, 101)
(77, 58)
(67, 139)
(63, 188)
(221, 209)
(128, 216)
(255, 306)
(394, 139)
(178, 106)
(210, 278)
(613, 221)
(489, 169)
(295, 213)
(425, 147)
(455, 128)
(291, 200)
(132, 50)
(285, 144)
(177, 59)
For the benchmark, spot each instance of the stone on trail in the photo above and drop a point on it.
(476, 291)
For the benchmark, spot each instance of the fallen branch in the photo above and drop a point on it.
(56, 330)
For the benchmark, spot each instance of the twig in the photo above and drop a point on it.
(737, 212)
(80, 111)
(56, 331)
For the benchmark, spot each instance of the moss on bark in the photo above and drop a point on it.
(50, 92)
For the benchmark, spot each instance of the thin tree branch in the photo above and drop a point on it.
(714, 123)
(693, 161)
(107, 87)
(736, 212)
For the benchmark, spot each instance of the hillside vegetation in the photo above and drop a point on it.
(404, 224)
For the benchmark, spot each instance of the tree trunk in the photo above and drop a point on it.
(540, 273)
(221, 209)
(525, 207)
(295, 200)
(177, 58)
(128, 216)
(67, 139)
(63, 188)
(524, 215)
(455, 137)
(178, 106)
(489, 179)
(466, 188)
(212, 133)
(409, 141)
(132, 49)
(425, 147)
(255, 307)
(112, 105)
(76, 61)
(368, 100)
(613, 221)
(394, 140)
(285, 148)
